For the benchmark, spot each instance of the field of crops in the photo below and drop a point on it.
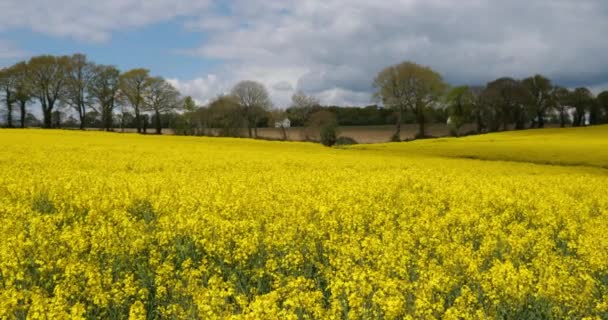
(113, 226)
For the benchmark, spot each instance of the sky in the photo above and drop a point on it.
(331, 49)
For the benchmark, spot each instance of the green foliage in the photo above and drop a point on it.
(409, 86)
(142, 209)
(224, 114)
(328, 135)
(460, 103)
(43, 203)
(322, 127)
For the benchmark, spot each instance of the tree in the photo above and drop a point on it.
(540, 89)
(322, 126)
(133, 85)
(409, 86)
(479, 110)
(189, 104)
(186, 123)
(595, 112)
(57, 117)
(79, 75)
(103, 89)
(560, 98)
(302, 106)
(7, 88)
(602, 101)
(254, 100)
(460, 103)
(48, 77)
(161, 97)
(277, 119)
(224, 114)
(509, 100)
(581, 99)
(23, 90)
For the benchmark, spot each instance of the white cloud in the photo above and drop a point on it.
(282, 86)
(334, 49)
(202, 90)
(92, 21)
(8, 50)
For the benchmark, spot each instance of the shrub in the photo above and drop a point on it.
(328, 135)
(143, 210)
(342, 140)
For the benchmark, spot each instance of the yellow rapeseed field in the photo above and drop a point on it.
(114, 226)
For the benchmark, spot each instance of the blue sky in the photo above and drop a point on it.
(331, 48)
(155, 46)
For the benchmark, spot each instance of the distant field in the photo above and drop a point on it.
(585, 146)
(366, 134)
(97, 225)
(362, 134)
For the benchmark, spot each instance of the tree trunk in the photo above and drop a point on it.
(23, 114)
(137, 119)
(577, 119)
(421, 120)
(397, 134)
(107, 117)
(47, 114)
(478, 120)
(249, 130)
(159, 129)
(541, 119)
(9, 116)
(82, 116)
(519, 123)
(9, 108)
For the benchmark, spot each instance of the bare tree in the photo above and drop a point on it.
(254, 100)
(302, 106)
(161, 97)
(133, 85)
(104, 92)
(47, 75)
(7, 90)
(23, 90)
(79, 75)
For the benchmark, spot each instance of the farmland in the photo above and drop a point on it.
(106, 225)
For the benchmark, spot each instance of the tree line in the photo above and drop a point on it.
(82, 87)
(411, 93)
(103, 96)
(502, 104)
